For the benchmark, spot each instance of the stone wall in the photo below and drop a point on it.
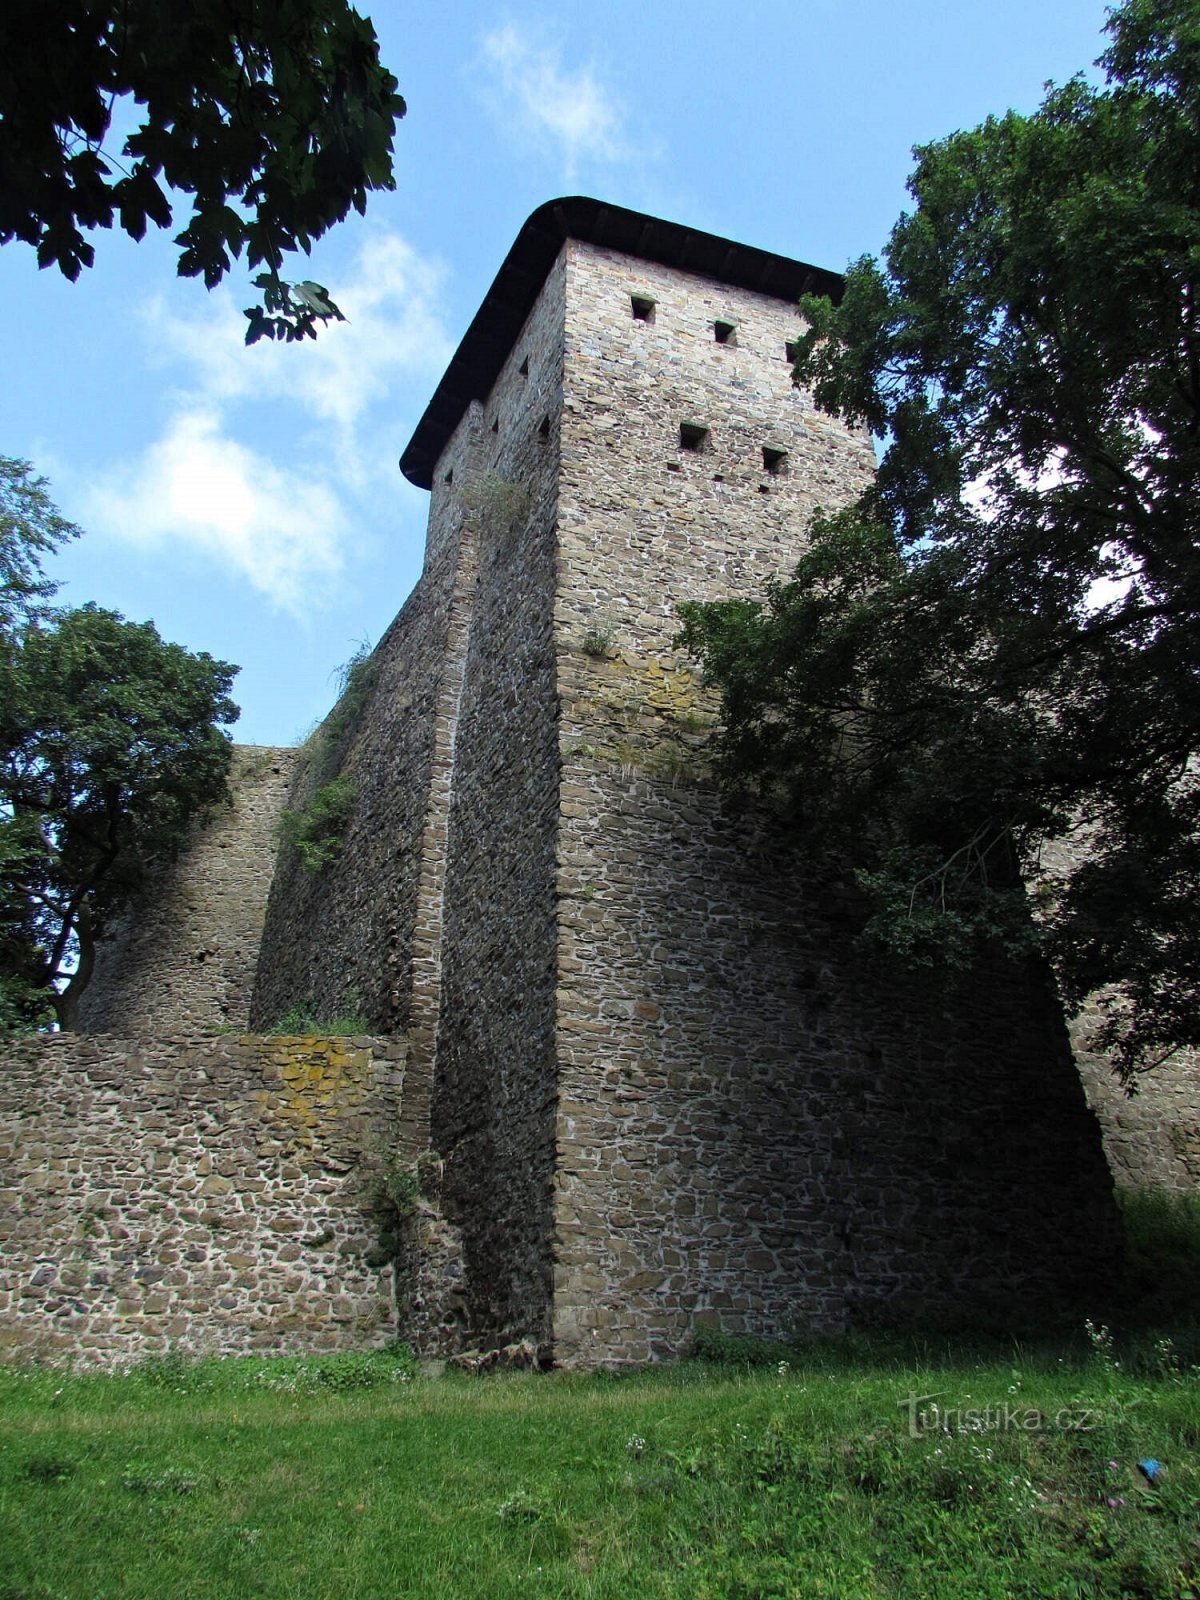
(666, 1088)
(1151, 1137)
(756, 1129)
(342, 939)
(194, 1193)
(184, 958)
(495, 1068)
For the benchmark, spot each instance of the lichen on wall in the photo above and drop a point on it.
(201, 1194)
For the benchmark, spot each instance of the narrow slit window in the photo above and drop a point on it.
(449, 478)
(693, 437)
(775, 461)
(496, 425)
(643, 309)
(725, 332)
(523, 369)
(791, 350)
(544, 429)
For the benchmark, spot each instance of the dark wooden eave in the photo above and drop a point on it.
(476, 363)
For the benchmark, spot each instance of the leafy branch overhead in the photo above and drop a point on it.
(998, 647)
(273, 117)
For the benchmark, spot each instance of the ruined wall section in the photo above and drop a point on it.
(343, 940)
(194, 1193)
(494, 1097)
(1152, 1137)
(755, 1129)
(184, 958)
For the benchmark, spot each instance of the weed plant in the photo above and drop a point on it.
(316, 830)
(304, 1020)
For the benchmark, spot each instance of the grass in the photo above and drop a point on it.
(303, 1020)
(874, 1467)
(745, 1477)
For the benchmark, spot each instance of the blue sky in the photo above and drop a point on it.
(249, 501)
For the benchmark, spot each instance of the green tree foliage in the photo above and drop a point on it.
(273, 116)
(999, 644)
(30, 528)
(110, 743)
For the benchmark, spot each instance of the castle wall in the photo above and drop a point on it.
(349, 938)
(203, 1194)
(495, 1079)
(1152, 1137)
(668, 1088)
(184, 957)
(755, 1128)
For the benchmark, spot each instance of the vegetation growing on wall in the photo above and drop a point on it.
(316, 830)
(356, 679)
(391, 1199)
(499, 502)
(315, 833)
(305, 1019)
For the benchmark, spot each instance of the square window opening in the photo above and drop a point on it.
(792, 351)
(775, 461)
(643, 309)
(693, 437)
(725, 332)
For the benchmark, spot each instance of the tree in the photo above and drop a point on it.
(30, 528)
(274, 116)
(110, 743)
(998, 646)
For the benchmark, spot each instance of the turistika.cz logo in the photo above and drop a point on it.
(926, 1415)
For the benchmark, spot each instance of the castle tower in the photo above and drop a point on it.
(668, 1090)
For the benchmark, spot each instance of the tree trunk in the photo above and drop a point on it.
(66, 1004)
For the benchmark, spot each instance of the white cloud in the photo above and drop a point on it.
(395, 330)
(279, 529)
(268, 447)
(568, 110)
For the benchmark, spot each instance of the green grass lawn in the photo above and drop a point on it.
(795, 1475)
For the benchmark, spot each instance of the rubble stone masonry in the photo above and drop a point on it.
(201, 1194)
(756, 1129)
(185, 960)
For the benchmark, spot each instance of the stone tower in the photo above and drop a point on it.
(667, 1089)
